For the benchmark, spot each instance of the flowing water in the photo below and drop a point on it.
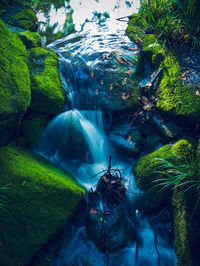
(77, 139)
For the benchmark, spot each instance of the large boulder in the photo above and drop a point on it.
(46, 88)
(41, 198)
(15, 91)
(146, 167)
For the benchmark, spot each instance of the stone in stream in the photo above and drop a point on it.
(100, 76)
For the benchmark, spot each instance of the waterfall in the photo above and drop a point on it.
(72, 135)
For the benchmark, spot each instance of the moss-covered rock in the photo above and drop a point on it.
(174, 98)
(15, 91)
(46, 88)
(146, 166)
(25, 19)
(186, 232)
(30, 39)
(41, 198)
(33, 127)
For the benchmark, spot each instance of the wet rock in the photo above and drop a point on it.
(167, 128)
(107, 78)
(112, 233)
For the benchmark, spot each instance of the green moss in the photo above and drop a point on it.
(30, 39)
(25, 19)
(46, 88)
(41, 198)
(33, 127)
(15, 92)
(146, 166)
(174, 98)
(185, 234)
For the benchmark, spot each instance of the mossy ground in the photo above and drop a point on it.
(174, 98)
(46, 88)
(41, 198)
(146, 166)
(15, 91)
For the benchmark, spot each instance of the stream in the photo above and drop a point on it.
(97, 65)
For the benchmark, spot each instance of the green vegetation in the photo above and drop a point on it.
(186, 231)
(15, 94)
(46, 88)
(26, 19)
(175, 21)
(147, 165)
(41, 199)
(33, 127)
(174, 98)
(30, 39)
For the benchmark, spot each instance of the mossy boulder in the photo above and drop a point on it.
(24, 18)
(15, 94)
(41, 198)
(144, 170)
(33, 127)
(30, 39)
(46, 88)
(175, 99)
(186, 230)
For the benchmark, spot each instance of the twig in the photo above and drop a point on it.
(156, 243)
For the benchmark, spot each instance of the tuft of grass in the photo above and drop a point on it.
(174, 21)
(176, 173)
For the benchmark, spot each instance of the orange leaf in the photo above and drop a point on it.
(111, 86)
(119, 60)
(92, 75)
(93, 211)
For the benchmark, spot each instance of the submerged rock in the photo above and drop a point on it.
(41, 198)
(46, 88)
(15, 91)
(116, 232)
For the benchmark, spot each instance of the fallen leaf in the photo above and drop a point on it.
(111, 86)
(102, 82)
(119, 60)
(107, 213)
(93, 211)
(111, 95)
(92, 75)
(130, 63)
(105, 179)
(114, 67)
(119, 51)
